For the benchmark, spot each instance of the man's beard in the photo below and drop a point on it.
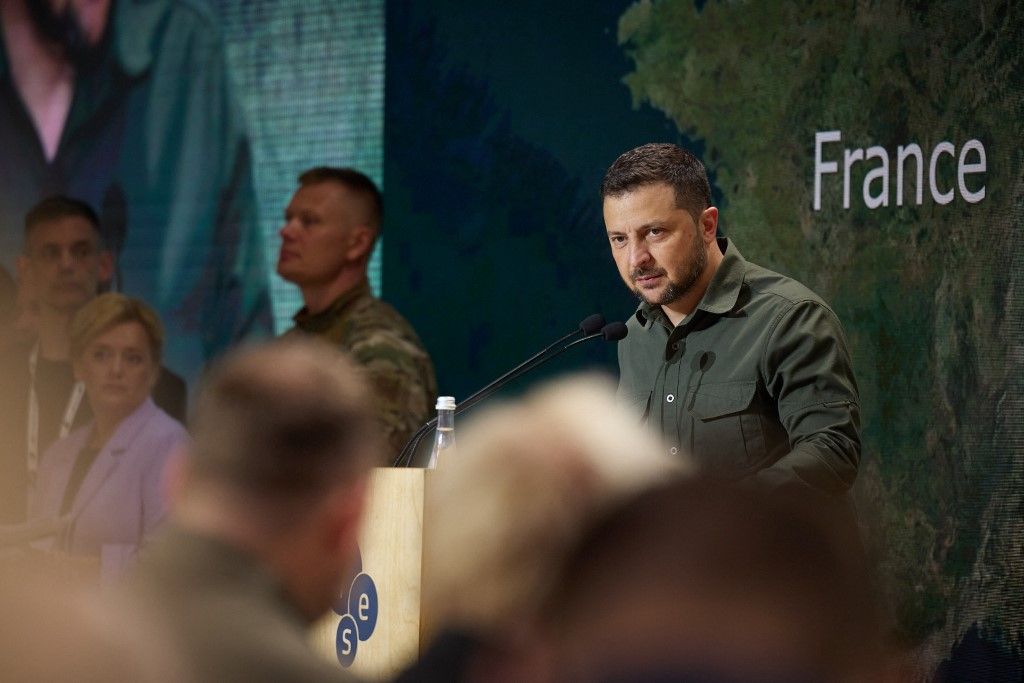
(680, 282)
(64, 29)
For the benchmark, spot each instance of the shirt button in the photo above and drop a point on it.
(673, 450)
(675, 346)
(670, 398)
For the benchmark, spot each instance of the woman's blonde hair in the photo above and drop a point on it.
(110, 310)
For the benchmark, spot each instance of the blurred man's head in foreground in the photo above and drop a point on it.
(283, 441)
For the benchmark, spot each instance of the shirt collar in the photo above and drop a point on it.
(319, 322)
(722, 292)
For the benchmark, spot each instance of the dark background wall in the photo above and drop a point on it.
(500, 120)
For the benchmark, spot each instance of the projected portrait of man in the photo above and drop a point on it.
(127, 106)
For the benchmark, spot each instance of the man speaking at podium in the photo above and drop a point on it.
(745, 369)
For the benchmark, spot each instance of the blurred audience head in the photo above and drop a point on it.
(283, 441)
(698, 581)
(116, 346)
(63, 261)
(526, 478)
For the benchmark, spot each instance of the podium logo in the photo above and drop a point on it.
(358, 609)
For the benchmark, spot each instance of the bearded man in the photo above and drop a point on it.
(745, 369)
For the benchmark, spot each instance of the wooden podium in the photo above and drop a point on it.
(375, 630)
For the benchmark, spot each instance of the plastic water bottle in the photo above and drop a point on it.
(444, 440)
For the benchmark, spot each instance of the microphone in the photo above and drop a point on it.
(587, 326)
(591, 324)
(615, 331)
(610, 332)
(592, 327)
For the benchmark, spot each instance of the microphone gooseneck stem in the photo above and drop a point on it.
(529, 362)
(404, 458)
(515, 372)
(610, 332)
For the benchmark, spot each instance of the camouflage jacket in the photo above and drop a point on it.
(385, 345)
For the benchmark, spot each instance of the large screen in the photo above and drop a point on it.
(184, 126)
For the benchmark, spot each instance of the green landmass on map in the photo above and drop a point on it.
(930, 295)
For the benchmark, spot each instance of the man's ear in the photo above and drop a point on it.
(709, 223)
(106, 271)
(360, 243)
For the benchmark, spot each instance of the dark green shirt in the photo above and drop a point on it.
(392, 357)
(756, 382)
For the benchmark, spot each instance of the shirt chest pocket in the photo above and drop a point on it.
(727, 437)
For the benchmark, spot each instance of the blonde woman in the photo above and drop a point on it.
(105, 478)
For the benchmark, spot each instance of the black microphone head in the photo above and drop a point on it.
(614, 331)
(592, 323)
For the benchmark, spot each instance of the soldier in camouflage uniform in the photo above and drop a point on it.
(330, 227)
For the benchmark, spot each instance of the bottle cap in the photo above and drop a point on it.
(445, 403)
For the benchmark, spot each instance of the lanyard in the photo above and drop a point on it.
(70, 411)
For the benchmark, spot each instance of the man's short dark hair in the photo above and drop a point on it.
(60, 206)
(660, 162)
(357, 182)
(283, 422)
